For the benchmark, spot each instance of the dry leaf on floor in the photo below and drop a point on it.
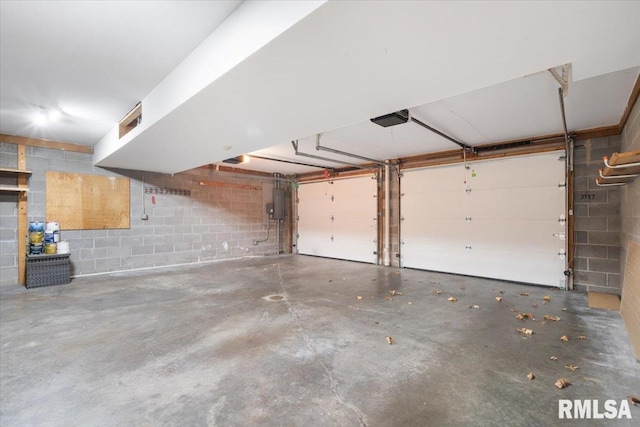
(359, 297)
(554, 318)
(572, 367)
(437, 292)
(388, 298)
(513, 310)
(634, 399)
(582, 337)
(452, 299)
(499, 299)
(390, 340)
(553, 358)
(394, 292)
(564, 338)
(474, 306)
(502, 292)
(562, 383)
(534, 305)
(524, 294)
(525, 331)
(531, 376)
(547, 297)
(522, 316)
(330, 280)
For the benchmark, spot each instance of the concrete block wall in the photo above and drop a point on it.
(214, 222)
(630, 193)
(597, 220)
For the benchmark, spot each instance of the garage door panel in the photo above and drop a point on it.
(339, 220)
(504, 223)
(438, 205)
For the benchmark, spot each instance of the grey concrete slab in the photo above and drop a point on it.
(204, 346)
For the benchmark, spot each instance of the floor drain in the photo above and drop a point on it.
(274, 298)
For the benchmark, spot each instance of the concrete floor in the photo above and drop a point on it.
(202, 346)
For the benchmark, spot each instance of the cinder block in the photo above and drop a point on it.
(591, 251)
(141, 230)
(142, 250)
(154, 240)
(590, 278)
(591, 196)
(613, 281)
(92, 253)
(107, 264)
(174, 238)
(613, 195)
(613, 252)
(183, 247)
(163, 248)
(581, 211)
(164, 229)
(613, 223)
(604, 238)
(83, 267)
(587, 224)
(580, 264)
(174, 220)
(119, 232)
(106, 242)
(119, 252)
(92, 234)
(604, 209)
(604, 265)
(76, 244)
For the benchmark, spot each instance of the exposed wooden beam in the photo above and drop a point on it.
(633, 98)
(22, 216)
(45, 143)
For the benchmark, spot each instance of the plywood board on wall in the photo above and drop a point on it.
(630, 307)
(87, 202)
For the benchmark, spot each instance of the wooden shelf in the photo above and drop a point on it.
(620, 169)
(13, 189)
(7, 171)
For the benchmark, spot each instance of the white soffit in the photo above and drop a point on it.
(348, 61)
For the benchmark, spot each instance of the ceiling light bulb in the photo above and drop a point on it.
(54, 115)
(245, 158)
(40, 118)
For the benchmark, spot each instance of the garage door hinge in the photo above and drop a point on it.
(468, 190)
(375, 196)
(467, 247)
(332, 198)
(562, 184)
(467, 218)
(562, 254)
(562, 219)
(401, 218)
(560, 236)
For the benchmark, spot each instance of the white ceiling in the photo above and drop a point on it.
(280, 71)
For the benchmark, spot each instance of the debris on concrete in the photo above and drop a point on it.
(562, 383)
(525, 331)
(635, 400)
(499, 299)
(522, 316)
(547, 297)
(553, 318)
(475, 306)
(452, 299)
(564, 338)
(524, 294)
(388, 298)
(359, 297)
(436, 291)
(394, 292)
(534, 305)
(572, 367)
(553, 358)
(390, 340)
(531, 376)
(582, 337)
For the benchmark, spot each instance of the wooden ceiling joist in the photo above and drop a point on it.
(45, 143)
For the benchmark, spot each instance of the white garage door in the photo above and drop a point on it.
(337, 219)
(501, 219)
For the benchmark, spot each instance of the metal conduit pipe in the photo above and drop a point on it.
(387, 218)
(313, 156)
(569, 197)
(355, 156)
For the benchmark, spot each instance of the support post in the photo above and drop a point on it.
(22, 216)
